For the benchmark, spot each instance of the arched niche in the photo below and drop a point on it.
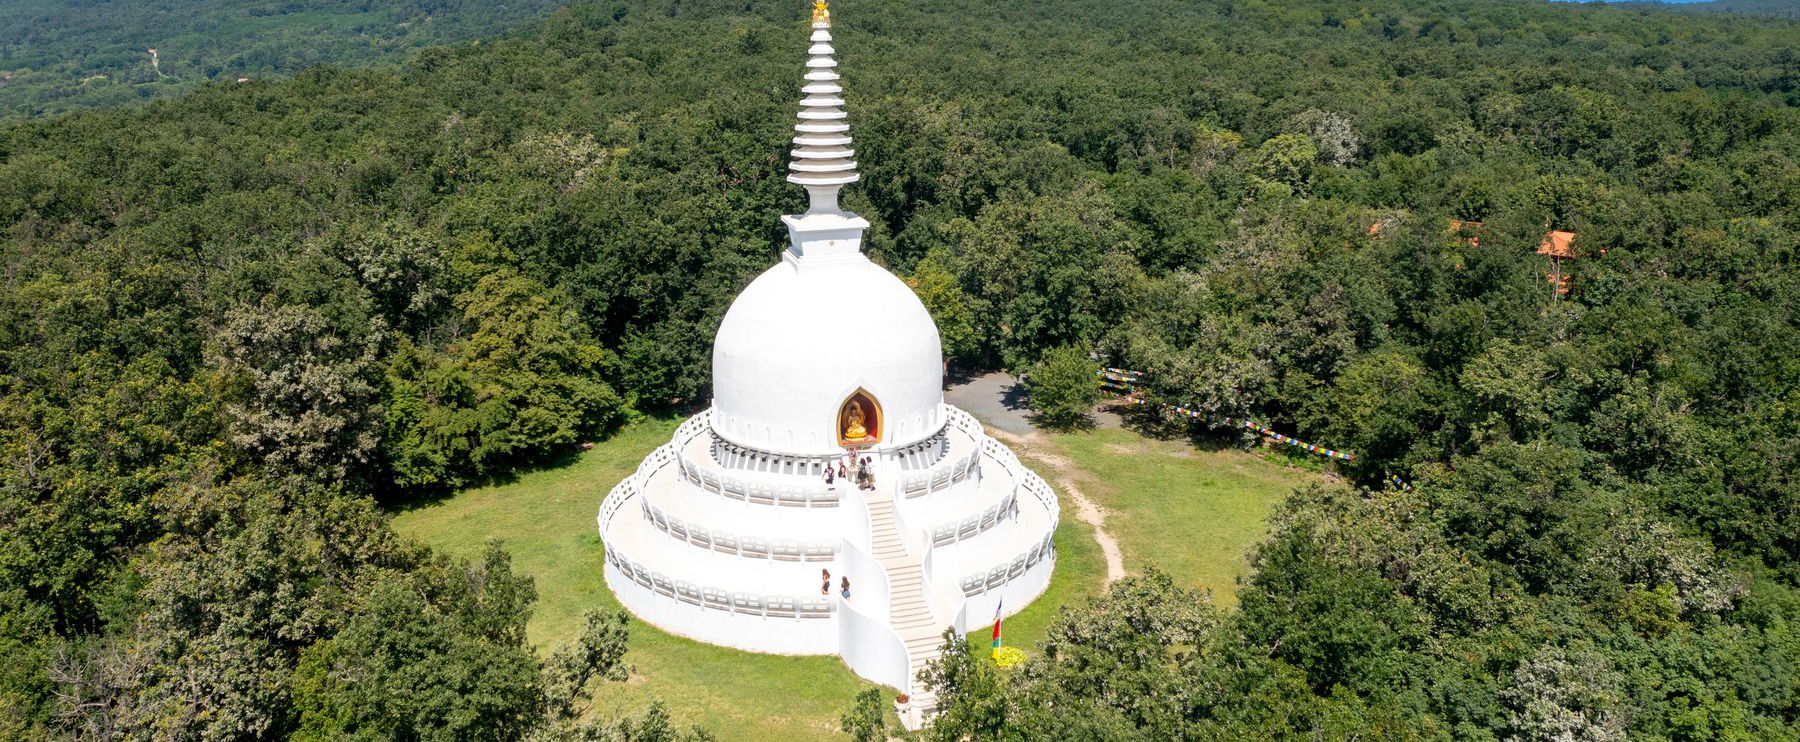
(859, 410)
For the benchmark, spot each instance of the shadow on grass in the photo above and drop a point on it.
(1079, 424)
(400, 500)
(1146, 421)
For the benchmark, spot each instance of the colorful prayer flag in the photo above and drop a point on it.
(997, 606)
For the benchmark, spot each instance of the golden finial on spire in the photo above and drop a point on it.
(821, 14)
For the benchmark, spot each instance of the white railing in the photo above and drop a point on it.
(769, 606)
(941, 476)
(981, 582)
(753, 547)
(977, 524)
(809, 495)
(749, 604)
(730, 455)
(922, 455)
(964, 422)
(945, 473)
(634, 484)
(1026, 478)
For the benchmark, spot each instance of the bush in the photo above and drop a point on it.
(1064, 385)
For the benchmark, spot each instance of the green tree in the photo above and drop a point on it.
(949, 306)
(864, 720)
(522, 386)
(1064, 386)
(1286, 159)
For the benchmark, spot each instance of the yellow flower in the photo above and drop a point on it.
(1008, 656)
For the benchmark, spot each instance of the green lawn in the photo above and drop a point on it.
(1079, 572)
(1192, 513)
(546, 519)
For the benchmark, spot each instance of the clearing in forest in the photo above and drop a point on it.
(1191, 513)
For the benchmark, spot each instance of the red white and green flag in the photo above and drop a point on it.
(997, 627)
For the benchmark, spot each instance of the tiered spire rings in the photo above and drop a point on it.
(822, 155)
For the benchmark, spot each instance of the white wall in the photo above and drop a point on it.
(978, 610)
(871, 649)
(754, 633)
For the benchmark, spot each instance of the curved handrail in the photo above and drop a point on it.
(773, 606)
(750, 604)
(750, 547)
(946, 472)
(719, 482)
(981, 582)
(1026, 477)
(977, 524)
(663, 454)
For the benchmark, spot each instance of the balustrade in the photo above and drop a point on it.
(803, 494)
(712, 598)
(731, 543)
(980, 582)
(950, 533)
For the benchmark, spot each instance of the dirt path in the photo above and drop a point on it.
(1087, 510)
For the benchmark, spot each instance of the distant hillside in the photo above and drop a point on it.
(57, 56)
(1774, 8)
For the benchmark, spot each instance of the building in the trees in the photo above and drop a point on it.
(1559, 246)
(731, 533)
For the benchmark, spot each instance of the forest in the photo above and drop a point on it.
(1777, 8)
(58, 56)
(239, 325)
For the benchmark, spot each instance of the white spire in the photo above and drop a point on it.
(822, 155)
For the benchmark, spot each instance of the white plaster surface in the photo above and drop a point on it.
(721, 534)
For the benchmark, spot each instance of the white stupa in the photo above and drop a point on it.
(722, 534)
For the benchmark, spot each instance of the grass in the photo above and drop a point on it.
(1191, 513)
(546, 519)
(1080, 570)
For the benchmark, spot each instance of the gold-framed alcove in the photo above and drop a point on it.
(860, 413)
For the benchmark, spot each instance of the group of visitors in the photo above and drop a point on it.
(854, 467)
(825, 589)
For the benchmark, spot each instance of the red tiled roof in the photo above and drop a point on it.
(1558, 244)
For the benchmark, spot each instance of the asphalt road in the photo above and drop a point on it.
(996, 399)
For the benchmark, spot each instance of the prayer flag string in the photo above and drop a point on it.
(1123, 383)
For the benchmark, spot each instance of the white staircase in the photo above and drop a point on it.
(911, 615)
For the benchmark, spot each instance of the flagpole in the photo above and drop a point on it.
(996, 649)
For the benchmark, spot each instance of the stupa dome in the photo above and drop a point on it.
(800, 340)
(829, 502)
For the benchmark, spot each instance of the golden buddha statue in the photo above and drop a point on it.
(821, 14)
(853, 423)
